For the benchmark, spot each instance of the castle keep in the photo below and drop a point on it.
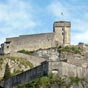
(59, 36)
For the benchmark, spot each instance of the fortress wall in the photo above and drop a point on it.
(46, 67)
(11, 46)
(11, 39)
(27, 76)
(36, 37)
(60, 35)
(68, 69)
(33, 42)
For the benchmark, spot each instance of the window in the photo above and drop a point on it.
(55, 71)
(7, 46)
(62, 33)
(62, 29)
(7, 42)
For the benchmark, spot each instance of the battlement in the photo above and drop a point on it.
(36, 34)
(62, 24)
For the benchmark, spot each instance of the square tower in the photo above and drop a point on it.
(62, 32)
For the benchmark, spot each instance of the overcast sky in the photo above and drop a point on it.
(18, 17)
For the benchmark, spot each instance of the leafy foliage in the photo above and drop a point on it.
(1, 62)
(16, 72)
(72, 49)
(18, 61)
(25, 51)
(48, 82)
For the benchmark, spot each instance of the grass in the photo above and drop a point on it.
(25, 51)
(31, 52)
(1, 62)
(21, 61)
(72, 49)
(16, 72)
(49, 81)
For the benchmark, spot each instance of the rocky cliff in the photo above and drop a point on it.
(23, 60)
(16, 64)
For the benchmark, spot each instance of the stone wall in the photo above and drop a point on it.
(68, 69)
(47, 67)
(48, 54)
(30, 42)
(62, 32)
(59, 36)
(27, 76)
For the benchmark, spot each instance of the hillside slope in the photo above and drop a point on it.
(16, 64)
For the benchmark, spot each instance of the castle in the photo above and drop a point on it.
(55, 63)
(59, 36)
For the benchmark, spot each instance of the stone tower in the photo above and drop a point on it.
(62, 32)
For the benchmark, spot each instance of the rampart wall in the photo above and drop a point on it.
(47, 67)
(31, 42)
(68, 69)
(27, 76)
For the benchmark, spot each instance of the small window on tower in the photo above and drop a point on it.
(7, 46)
(62, 33)
(62, 29)
(7, 42)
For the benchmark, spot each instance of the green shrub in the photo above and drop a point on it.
(25, 51)
(72, 49)
(1, 62)
(16, 72)
(49, 81)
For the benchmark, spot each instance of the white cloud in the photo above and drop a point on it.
(77, 15)
(16, 15)
(56, 8)
(79, 37)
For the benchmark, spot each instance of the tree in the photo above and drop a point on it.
(7, 73)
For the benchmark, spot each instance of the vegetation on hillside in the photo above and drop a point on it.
(18, 60)
(21, 61)
(72, 49)
(8, 73)
(25, 51)
(16, 65)
(1, 62)
(48, 82)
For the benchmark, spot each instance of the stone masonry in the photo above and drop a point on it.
(59, 36)
(62, 68)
